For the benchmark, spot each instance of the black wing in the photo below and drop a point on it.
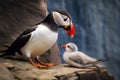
(18, 43)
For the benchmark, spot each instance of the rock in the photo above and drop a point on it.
(9, 66)
(5, 74)
(22, 70)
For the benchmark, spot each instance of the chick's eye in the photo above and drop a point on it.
(68, 46)
(65, 19)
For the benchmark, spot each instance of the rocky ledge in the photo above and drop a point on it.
(21, 70)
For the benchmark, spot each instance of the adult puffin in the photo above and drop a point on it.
(37, 40)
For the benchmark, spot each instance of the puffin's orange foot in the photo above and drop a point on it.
(36, 64)
(39, 65)
(45, 64)
(49, 64)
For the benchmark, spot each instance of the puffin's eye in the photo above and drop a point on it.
(65, 19)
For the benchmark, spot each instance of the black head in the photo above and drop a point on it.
(61, 19)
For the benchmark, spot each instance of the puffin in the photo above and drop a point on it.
(36, 40)
(73, 57)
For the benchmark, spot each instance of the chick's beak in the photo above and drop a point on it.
(63, 46)
(71, 31)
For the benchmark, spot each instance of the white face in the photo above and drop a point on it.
(61, 20)
(70, 47)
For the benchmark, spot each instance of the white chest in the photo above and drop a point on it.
(41, 40)
(66, 57)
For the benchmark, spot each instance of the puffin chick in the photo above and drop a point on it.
(35, 41)
(78, 59)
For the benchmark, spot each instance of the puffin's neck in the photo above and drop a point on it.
(50, 23)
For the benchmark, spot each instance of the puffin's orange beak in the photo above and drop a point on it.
(71, 31)
(63, 46)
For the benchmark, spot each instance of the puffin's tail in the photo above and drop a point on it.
(6, 52)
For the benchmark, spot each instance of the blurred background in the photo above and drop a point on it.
(97, 24)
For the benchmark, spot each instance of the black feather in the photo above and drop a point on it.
(18, 43)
